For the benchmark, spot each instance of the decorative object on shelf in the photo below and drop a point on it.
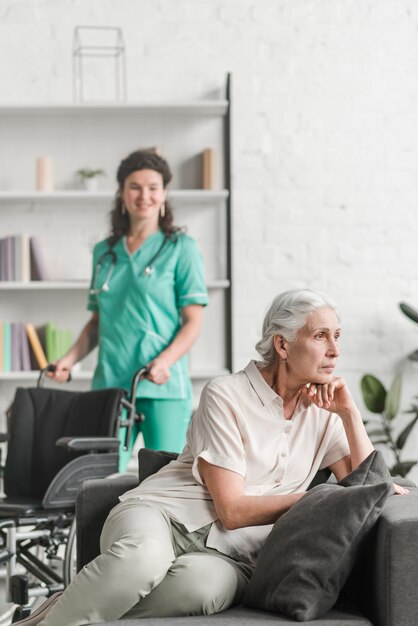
(89, 178)
(44, 174)
(153, 150)
(98, 43)
(208, 158)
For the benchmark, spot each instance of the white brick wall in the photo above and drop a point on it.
(325, 140)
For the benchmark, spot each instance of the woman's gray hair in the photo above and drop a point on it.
(286, 315)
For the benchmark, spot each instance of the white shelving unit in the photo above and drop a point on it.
(79, 285)
(64, 197)
(69, 221)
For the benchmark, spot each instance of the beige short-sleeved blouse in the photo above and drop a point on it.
(239, 425)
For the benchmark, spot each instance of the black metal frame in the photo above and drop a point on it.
(48, 525)
(228, 184)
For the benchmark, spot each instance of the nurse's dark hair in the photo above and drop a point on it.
(286, 315)
(140, 160)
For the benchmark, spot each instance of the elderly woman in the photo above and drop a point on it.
(185, 541)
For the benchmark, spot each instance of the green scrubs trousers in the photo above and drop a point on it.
(164, 428)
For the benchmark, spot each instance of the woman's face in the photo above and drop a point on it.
(312, 356)
(143, 194)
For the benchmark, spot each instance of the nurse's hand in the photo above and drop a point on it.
(158, 371)
(62, 372)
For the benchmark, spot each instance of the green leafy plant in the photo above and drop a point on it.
(412, 314)
(89, 173)
(382, 431)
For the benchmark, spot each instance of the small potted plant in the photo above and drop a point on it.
(89, 178)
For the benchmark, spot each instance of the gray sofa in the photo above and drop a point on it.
(382, 590)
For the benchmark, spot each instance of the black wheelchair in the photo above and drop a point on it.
(56, 439)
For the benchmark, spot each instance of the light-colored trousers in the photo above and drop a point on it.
(149, 566)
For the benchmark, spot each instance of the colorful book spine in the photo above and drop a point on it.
(7, 347)
(24, 349)
(1, 347)
(36, 345)
(15, 348)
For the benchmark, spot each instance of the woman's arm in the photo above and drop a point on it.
(87, 340)
(233, 507)
(336, 397)
(192, 320)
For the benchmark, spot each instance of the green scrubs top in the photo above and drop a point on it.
(139, 315)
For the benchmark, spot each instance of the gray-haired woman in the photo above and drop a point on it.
(185, 541)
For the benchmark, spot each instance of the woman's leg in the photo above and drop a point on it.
(137, 551)
(196, 584)
(166, 423)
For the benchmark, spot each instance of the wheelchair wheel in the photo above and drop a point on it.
(70, 557)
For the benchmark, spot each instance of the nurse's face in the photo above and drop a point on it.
(143, 194)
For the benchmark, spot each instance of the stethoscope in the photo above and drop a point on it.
(148, 271)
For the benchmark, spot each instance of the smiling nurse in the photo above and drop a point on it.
(146, 296)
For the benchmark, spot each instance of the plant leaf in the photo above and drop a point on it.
(409, 311)
(374, 393)
(393, 397)
(413, 356)
(402, 468)
(377, 433)
(377, 442)
(401, 440)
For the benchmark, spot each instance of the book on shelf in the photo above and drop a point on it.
(38, 269)
(24, 349)
(208, 159)
(7, 347)
(16, 364)
(6, 258)
(21, 259)
(36, 346)
(2, 260)
(1, 347)
(57, 342)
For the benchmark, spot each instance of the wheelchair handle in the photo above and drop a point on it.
(49, 368)
(132, 409)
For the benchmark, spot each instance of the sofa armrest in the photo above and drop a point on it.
(394, 572)
(95, 498)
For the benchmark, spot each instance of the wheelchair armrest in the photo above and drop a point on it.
(95, 499)
(83, 444)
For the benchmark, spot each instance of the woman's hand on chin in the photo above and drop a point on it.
(333, 396)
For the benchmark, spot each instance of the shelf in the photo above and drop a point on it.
(80, 285)
(193, 107)
(44, 197)
(34, 375)
(87, 375)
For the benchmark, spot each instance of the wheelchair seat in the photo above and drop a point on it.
(56, 440)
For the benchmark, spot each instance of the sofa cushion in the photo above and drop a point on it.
(150, 461)
(312, 548)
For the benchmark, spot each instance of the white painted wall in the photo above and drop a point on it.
(325, 141)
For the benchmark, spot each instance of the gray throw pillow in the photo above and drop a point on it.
(312, 548)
